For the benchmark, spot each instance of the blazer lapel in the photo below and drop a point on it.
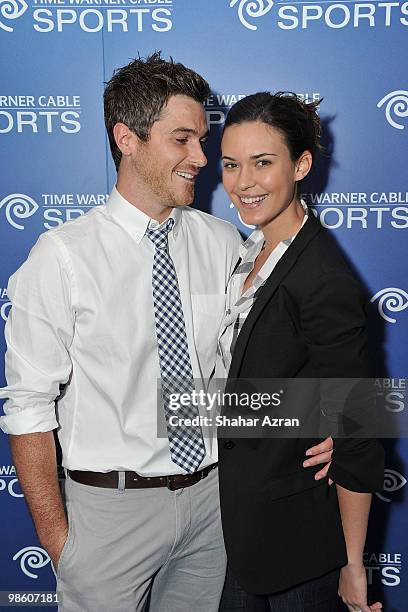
(311, 228)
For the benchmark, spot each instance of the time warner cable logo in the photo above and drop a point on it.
(298, 14)
(18, 206)
(89, 15)
(55, 209)
(11, 9)
(393, 481)
(32, 558)
(396, 107)
(390, 300)
(251, 9)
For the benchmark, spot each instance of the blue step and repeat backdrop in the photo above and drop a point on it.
(55, 165)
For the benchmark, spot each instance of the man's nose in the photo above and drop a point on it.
(198, 157)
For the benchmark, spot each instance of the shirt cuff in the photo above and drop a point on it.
(29, 420)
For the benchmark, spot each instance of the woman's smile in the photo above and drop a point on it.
(252, 201)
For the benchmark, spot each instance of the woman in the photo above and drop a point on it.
(295, 311)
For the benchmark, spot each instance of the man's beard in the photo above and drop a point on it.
(155, 180)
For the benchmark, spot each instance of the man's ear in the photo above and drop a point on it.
(125, 139)
(303, 165)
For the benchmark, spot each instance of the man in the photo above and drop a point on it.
(103, 308)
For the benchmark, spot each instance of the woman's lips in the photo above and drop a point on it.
(252, 201)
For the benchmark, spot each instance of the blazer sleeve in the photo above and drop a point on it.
(333, 319)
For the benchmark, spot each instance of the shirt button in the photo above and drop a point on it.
(229, 444)
(229, 311)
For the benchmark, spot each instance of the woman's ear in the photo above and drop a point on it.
(303, 165)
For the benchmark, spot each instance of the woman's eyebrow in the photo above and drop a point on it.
(251, 157)
(261, 155)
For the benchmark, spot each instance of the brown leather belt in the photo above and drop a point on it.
(133, 480)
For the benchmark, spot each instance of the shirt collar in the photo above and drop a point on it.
(133, 220)
(252, 242)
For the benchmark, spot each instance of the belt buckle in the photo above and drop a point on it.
(170, 483)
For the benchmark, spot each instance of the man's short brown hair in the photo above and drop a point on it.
(137, 93)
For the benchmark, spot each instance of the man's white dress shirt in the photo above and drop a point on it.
(82, 317)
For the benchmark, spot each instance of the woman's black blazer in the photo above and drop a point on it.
(281, 527)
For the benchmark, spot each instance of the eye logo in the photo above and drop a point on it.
(33, 556)
(11, 9)
(252, 9)
(397, 106)
(393, 481)
(18, 206)
(4, 310)
(393, 299)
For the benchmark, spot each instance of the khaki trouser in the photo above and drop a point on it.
(137, 549)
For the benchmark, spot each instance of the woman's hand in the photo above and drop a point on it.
(353, 589)
(321, 453)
